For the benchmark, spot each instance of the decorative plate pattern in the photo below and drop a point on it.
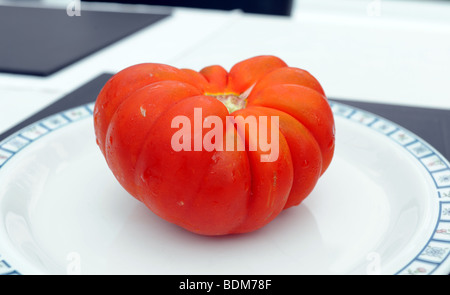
(432, 255)
(437, 249)
(16, 142)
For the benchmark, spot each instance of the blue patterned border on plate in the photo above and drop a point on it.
(432, 255)
(437, 249)
(16, 142)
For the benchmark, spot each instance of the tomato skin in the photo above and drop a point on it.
(123, 148)
(306, 105)
(271, 181)
(288, 75)
(306, 155)
(217, 77)
(245, 74)
(215, 192)
(206, 192)
(124, 83)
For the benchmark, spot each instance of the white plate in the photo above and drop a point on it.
(382, 207)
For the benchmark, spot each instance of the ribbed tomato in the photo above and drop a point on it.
(222, 190)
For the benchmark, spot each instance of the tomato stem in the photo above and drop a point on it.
(232, 101)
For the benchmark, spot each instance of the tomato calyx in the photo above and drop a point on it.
(232, 101)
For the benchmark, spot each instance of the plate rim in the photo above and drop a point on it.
(431, 259)
(407, 139)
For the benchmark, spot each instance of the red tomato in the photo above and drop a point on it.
(222, 190)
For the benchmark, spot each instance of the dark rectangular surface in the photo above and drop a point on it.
(41, 41)
(272, 7)
(433, 125)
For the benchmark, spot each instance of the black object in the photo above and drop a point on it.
(272, 7)
(433, 125)
(41, 41)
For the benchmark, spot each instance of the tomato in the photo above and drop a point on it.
(216, 152)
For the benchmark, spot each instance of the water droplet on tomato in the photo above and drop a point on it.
(143, 178)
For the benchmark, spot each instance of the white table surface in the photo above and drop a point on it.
(377, 51)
